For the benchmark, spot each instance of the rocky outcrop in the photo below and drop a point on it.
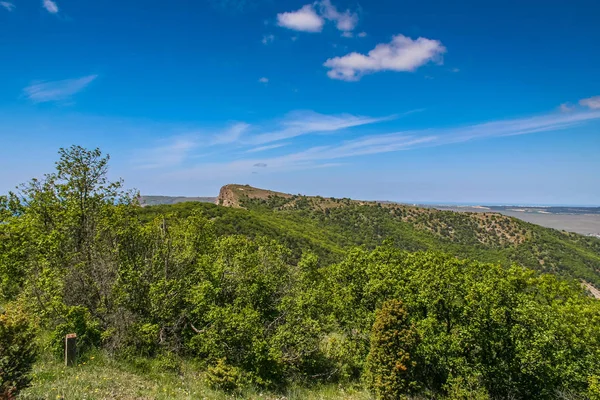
(227, 197)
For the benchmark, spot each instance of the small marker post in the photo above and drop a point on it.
(71, 349)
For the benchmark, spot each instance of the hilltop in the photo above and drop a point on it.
(330, 226)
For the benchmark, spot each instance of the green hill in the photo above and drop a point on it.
(330, 226)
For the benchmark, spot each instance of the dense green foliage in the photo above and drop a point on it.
(272, 296)
(389, 367)
(330, 227)
(17, 351)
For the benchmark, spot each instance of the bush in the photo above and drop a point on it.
(17, 352)
(225, 377)
(389, 364)
(594, 388)
(79, 321)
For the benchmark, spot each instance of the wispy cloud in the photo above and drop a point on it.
(265, 148)
(169, 153)
(307, 122)
(344, 21)
(264, 80)
(230, 135)
(50, 6)
(592, 102)
(41, 92)
(319, 156)
(248, 138)
(305, 19)
(402, 54)
(7, 5)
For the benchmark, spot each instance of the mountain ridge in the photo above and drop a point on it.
(330, 226)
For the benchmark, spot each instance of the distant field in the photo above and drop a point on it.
(579, 223)
(581, 220)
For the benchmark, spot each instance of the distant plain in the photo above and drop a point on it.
(579, 222)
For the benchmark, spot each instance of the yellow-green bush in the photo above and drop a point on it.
(223, 376)
(594, 388)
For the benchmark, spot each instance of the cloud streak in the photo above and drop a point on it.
(266, 148)
(320, 156)
(167, 154)
(308, 122)
(48, 91)
(248, 138)
(7, 5)
(402, 54)
(231, 135)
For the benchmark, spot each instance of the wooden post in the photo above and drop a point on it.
(71, 349)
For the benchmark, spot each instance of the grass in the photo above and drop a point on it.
(101, 377)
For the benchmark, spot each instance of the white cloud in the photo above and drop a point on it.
(345, 21)
(311, 18)
(307, 122)
(170, 153)
(50, 6)
(455, 70)
(232, 134)
(265, 148)
(347, 34)
(7, 5)
(305, 19)
(592, 102)
(268, 39)
(401, 54)
(57, 90)
(264, 80)
(362, 34)
(320, 156)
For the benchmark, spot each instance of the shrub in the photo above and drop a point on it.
(389, 364)
(223, 376)
(594, 388)
(79, 321)
(17, 352)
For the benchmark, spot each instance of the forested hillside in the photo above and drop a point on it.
(330, 226)
(284, 296)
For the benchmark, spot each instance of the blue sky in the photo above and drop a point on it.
(416, 101)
